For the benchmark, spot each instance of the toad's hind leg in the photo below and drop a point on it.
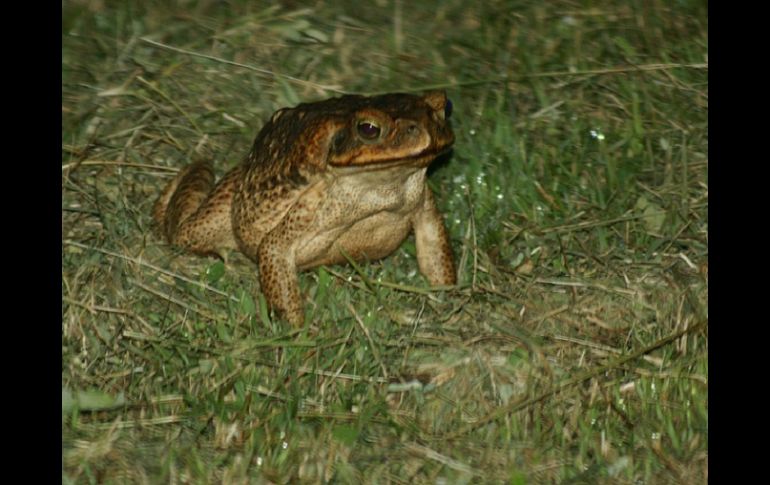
(193, 213)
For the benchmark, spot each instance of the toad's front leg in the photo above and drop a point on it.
(434, 251)
(278, 276)
(276, 255)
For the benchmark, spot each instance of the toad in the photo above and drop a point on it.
(323, 182)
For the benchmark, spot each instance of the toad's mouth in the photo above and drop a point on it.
(426, 156)
(417, 160)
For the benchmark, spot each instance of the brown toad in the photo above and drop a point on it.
(345, 176)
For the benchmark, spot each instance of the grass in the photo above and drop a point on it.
(574, 348)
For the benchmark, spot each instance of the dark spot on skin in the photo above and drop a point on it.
(296, 178)
(338, 142)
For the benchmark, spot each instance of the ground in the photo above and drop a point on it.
(574, 348)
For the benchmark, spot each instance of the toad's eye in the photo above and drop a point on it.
(447, 109)
(368, 130)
